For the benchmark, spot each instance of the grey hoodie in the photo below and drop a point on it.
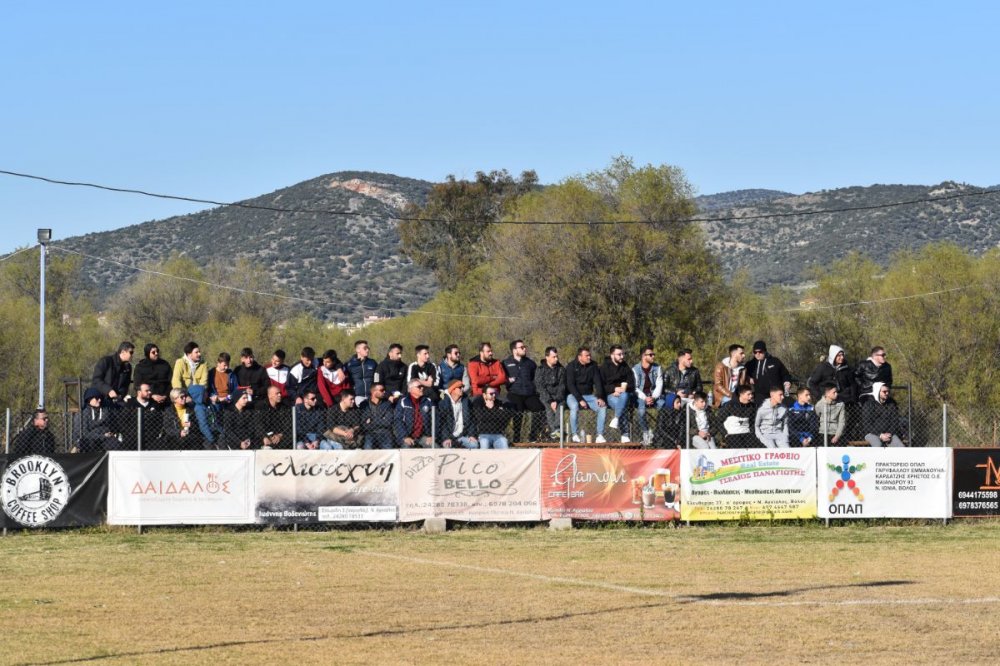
(771, 420)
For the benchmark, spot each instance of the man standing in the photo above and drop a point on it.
(113, 373)
(550, 382)
(251, 377)
(191, 376)
(423, 371)
(728, 375)
(765, 372)
(36, 438)
(873, 369)
(155, 372)
(682, 377)
(483, 371)
(585, 391)
(392, 373)
(521, 392)
(648, 379)
(302, 376)
(451, 368)
(362, 371)
(619, 384)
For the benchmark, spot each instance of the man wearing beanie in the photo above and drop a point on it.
(765, 372)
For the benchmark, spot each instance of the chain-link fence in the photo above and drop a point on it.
(492, 422)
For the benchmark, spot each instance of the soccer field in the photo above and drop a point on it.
(786, 593)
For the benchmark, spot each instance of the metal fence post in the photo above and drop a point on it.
(562, 425)
(138, 447)
(687, 425)
(944, 424)
(295, 428)
(434, 426)
(6, 446)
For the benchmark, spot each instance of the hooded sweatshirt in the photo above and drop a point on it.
(827, 371)
(880, 417)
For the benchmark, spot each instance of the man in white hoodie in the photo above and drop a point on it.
(771, 421)
(880, 418)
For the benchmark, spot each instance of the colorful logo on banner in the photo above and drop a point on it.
(35, 490)
(750, 465)
(976, 485)
(846, 484)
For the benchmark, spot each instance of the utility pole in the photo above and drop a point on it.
(44, 236)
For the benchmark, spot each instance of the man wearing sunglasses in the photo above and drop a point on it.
(873, 369)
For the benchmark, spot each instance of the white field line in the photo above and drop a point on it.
(647, 592)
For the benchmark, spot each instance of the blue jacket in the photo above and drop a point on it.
(446, 420)
(403, 422)
(362, 374)
(447, 374)
(802, 423)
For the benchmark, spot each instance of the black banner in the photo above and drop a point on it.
(53, 491)
(977, 482)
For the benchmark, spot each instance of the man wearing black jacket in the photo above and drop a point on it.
(521, 392)
(585, 390)
(873, 369)
(113, 373)
(251, 377)
(391, 373)
(765, 372)
(156, 372)
(619, 385)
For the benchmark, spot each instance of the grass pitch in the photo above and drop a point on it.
(719, 594)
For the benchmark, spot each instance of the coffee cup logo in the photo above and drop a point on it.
(35, 490)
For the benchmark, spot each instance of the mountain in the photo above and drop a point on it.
(782, 250)
(353, 261)
(712, 202)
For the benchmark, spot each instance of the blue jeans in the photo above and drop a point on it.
(657, 404)
(197, 393)
(380, 439)
(493, 442)
(619, 403)
(574, 407)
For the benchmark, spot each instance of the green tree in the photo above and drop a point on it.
(450, 234)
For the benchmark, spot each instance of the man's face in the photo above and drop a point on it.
(222, 366)
(698, 403)
(328, 363)
(361, 351)
(454, 355)
(486, 353)
(759, 354)
(831, 395)
(144, 392)
(306, 361)
(740, 355)
(378, 392)
(309, 400)
(126, 355)
(490, 396)
(274, 396)
(649, 356)
(775, 398)
(395, 354)
(195, 354)
(618, 356)
(745, 397)
(423, 356)
(583, 357)
(684, 362)
(883, 393)
(247, 361)
(879, 357)
(346, 401)
(275, 361)
(552, 358)
(805, 398)
(41, 421)
(520, 350)
(242, 402)
(455, 392)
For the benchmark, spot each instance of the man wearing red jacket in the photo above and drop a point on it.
(483, 371)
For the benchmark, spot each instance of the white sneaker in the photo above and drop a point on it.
(647, 438)
(614, 423)
(626, 440)
(600, 440)
(576, 439)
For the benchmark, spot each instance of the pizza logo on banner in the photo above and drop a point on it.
(847, 485)
(35, 490)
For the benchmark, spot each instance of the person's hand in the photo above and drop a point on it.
(649, 402)
(807, 441)
(446, 444)
(618, 390)
(703, 434)
(159, 398)
(213, 398)
(583, 404)
(601, 403)
(554, 405)
(112, 394)
(885, 437)
(408, 441)
(835, 439)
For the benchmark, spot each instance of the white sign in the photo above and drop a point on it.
(180, 487)
(475, 485)
(884, 482)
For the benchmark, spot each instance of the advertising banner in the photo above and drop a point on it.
(53, 490)
(729, 484)
(475, 485)
(611, 484)
(180, 487)
(884, 482)
(327, 486)
(976, 489)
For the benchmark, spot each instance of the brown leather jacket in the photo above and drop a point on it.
(720, 381)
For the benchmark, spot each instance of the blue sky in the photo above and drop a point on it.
(230, 100)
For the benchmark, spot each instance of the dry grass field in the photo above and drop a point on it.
(719, 594)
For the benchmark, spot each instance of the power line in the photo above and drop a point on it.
(400, 218)
(272, 295)
(808, 308)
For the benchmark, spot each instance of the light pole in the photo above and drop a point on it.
(44, 236)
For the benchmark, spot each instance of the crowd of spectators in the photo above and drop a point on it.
(324, 403)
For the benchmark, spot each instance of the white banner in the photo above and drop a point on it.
(321, 486)
(884, 482)
(471, 485)
(730, 484)
(180, 487)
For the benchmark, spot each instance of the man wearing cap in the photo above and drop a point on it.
(455, 426)
(765, 372)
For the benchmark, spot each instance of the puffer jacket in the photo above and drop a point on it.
(550, 383)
